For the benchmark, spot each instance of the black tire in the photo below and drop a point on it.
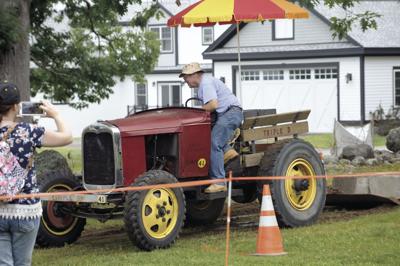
(250, 193)
(203, 212)
(297, 202)
(148, 210)
(58, 228)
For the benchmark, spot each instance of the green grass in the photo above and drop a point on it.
(322, 141)
(367, 240)
(345, 169)
(326, 141)
(379, 140)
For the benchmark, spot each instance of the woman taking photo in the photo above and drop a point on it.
(20, 218)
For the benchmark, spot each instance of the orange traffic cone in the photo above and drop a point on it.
(269, 240)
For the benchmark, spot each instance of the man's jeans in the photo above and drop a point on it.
(17, 239)
(220, 134)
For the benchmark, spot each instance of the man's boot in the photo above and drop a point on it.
(230, 155)
(213, 188)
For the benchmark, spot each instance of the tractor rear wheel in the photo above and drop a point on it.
(297, 202)
(154, 218)
(57, 226)
(203, 212)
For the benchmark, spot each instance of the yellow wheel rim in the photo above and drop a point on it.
(160, 212)
(57, 225)
(301, 193)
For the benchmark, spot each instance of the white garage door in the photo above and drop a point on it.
(294, 89)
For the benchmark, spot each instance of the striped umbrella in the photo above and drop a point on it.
(210, 12)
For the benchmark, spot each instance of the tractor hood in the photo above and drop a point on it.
(160, 121)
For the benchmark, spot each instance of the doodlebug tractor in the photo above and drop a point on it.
(170, 145)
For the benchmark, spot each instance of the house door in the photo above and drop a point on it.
(169, 94)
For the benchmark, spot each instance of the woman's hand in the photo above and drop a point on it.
(50, 109)
(63, 135)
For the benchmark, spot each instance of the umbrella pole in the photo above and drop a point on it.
(239, 65)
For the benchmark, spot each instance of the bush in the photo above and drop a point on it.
(383, 123)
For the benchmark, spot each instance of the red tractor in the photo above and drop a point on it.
(169, 145)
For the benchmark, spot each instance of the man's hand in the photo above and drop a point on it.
(211, 105)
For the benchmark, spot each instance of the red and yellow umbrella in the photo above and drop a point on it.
(210, 12)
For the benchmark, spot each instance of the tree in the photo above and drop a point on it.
(79, 65)
(14, 45)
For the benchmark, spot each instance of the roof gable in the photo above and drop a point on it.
(256, 34)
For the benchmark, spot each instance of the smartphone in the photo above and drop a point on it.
(31, 109)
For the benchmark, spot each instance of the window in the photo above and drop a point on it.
(397, 87)
(170, 94)
(283, 29)
(207, 35)
(325, 73)
(300, 74)
(141, 94)
(165, 36)
(273, 74)
(250, 75)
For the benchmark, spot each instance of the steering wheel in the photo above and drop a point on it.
(191, 99)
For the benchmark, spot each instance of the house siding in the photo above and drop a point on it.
(379, 82)
(311, 30)
(191, 46)
(350, 93)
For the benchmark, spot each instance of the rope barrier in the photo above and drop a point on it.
(228, 219)
(191, 184)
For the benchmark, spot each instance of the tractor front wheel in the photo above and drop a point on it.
(57, 226)
(154, 218)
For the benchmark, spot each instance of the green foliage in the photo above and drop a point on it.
(80, 65)
(9, 28)
(341, 26)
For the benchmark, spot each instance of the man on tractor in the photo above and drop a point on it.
(216, 96)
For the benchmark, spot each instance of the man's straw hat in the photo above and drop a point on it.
(190, 69)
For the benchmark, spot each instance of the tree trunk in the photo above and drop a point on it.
(14, 63)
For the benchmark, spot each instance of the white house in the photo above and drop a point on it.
(305, 68)
(163, 87)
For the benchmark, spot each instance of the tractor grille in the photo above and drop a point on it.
(98, 159)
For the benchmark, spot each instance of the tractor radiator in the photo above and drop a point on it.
(101, 157)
